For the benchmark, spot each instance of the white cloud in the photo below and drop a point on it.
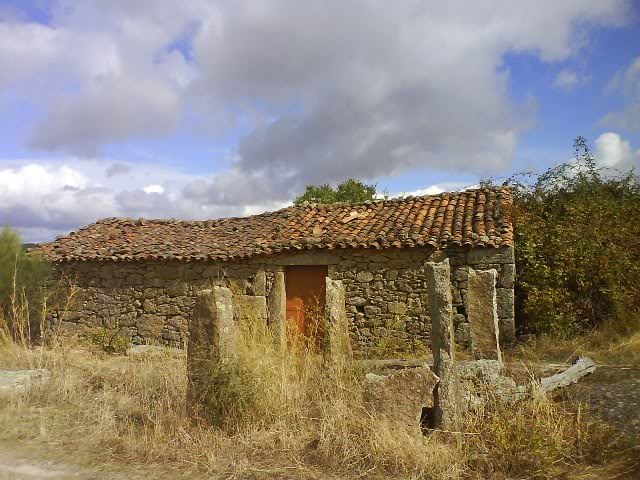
(627, 84)
(153, 189)
(432, 190)
(614, 152)
(320, 91)
(568, 80)
(44, 199)
(381, 99)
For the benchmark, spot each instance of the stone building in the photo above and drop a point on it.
(145, 274)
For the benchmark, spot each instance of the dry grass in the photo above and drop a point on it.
(613, 343)
(307, 420)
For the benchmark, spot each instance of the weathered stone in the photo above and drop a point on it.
(397, 278)
(150, 325)
(463, 335)
(479, 256)
(506, 278)
(149, 305)
(483, 316)
(507, 331)
(249, 308)
(338, 343)
(364, 277)
(259, 283)
(17, 382)
(358, 301)
(212, 330)
(581, 367)
(71, 327)
(461, 274)
(391, 274)
(134, 279)
(397, 308)
(277, 308)
(446, 396)
(505, 302)
(400, 396)
(372, 311)
(177, 289)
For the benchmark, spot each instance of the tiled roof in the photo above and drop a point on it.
(479, 217)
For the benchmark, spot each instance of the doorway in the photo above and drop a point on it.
(306, 290)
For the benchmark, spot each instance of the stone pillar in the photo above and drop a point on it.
(212, 329)
(482, 313)
(212, 336)
(277, 306)
(445, 394)
(337, 328)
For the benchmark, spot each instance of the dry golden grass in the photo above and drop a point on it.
(613, 343)
(307, 420)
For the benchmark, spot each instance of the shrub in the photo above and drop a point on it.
(226, 393)
(577, 242)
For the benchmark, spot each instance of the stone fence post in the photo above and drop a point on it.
(482, 313)
(337, 328)
(445, 394)
(212, 336)
(277, 307)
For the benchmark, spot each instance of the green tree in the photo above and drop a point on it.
(351, 191)
(22, 278)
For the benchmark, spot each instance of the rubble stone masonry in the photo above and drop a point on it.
(386, 291)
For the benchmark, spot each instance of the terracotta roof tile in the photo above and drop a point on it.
(471, 218)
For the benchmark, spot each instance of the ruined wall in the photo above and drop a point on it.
(386, 292)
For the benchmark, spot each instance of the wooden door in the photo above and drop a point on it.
(306, 290)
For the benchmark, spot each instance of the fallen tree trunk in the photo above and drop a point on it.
(581, 367)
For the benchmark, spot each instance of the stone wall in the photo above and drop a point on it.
(386, 292)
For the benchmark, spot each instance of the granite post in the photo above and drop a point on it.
(337, 327)
(277, 306)
(212, 337)
(482, 313)
(445, 394)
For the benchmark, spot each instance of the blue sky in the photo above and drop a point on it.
(215, 108)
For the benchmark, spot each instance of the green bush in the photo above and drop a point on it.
(22, 280)
(577, 237)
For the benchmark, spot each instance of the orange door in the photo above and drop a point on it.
(305, 299)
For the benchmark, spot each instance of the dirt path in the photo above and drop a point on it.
(18, 463)
(35, 461)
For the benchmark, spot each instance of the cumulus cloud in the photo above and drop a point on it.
(313, 91)
(42, 200)
(78, 121)
(417, 85)
(627, 84)
(614, 152)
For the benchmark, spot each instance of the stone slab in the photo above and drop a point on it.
(277, 308)
(400, 396)
(18, 382)
(338, 342)
(482, 314)
(446, 396)
(251, 308)
(489, 255)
